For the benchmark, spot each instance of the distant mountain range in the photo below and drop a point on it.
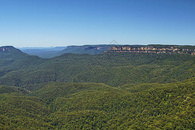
(57, 51)
(44, 52)
(87, 49)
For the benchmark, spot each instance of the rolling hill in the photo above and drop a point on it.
(99, 106)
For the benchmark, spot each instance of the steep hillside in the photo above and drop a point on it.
(8, 54)
(12, 57)
(13, 63)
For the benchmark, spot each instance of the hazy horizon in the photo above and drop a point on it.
(39, 47)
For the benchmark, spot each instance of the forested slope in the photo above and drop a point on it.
(98, 106)
(105, 91)
(114, 69)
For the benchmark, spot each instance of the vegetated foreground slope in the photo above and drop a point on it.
(99, 106)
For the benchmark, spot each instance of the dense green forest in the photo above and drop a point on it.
(103, 91)
(115, 69)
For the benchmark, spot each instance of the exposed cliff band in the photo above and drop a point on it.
(155, 49)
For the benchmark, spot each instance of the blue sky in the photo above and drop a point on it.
(43, 23)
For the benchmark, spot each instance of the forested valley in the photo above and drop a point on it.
(103, 91)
